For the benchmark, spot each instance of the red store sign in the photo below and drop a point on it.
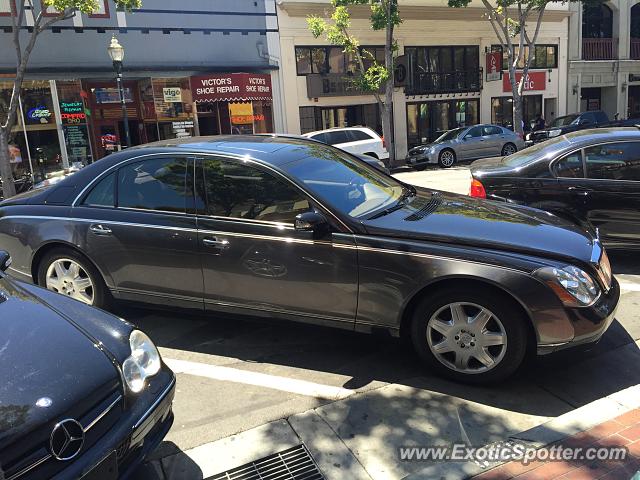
(534, 81)
(231, 87)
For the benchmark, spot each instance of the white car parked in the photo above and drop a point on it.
(357, 140)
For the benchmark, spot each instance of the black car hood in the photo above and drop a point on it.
(44, 355)
(450, 218)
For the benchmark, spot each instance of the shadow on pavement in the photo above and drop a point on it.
(168, 462)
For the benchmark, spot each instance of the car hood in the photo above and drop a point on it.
(458, 219)
(44, 356)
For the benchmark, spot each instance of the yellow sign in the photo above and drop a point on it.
(241, 113)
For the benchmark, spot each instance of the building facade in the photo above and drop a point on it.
(604, 58)
(187, 71)
(447, 52)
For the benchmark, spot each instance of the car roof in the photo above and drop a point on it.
(602, 134)
(333, 129)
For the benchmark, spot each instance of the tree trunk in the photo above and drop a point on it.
(8, 188)
(387, 113)
(517, 102)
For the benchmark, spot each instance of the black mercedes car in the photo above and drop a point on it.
(288, 228)
(568, 124)
(591, 178)
(83, 394)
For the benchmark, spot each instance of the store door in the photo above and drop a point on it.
(634, 102)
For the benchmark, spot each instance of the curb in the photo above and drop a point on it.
(559, 428)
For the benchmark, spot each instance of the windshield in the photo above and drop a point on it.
(561, 121)
(353, 188)
(539, 150)
(450, 135)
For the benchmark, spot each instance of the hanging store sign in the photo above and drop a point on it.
(172, 94)
(72, 113)
(494, 66)
(534, 81)
(231, 87)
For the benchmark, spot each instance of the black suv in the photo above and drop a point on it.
(566, 124)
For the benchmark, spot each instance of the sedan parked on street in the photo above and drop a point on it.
(465, 143)
(591, 177)
(568, 124)
(288, 228)
(83, 394)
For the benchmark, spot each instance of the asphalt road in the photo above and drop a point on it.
(237, 374)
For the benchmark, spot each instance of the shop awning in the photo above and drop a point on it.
(231, 87)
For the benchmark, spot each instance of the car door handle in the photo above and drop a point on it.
(215, 242)
(579, 190)
(99, 229)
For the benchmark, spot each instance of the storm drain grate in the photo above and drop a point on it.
(427, 209)
(293, 464)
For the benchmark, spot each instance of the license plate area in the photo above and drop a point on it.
(107, 469)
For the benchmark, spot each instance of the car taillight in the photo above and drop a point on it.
(477, 189)
(384, 144)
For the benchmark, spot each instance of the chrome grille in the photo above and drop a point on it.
(293, 464)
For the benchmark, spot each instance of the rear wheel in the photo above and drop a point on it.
(509, 149)
(447, 158)
(68, 272)
(470, 336)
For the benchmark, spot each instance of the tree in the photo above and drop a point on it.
(510, 22)
(372, 76)
(66, 9)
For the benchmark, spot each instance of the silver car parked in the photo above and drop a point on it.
(466, 143)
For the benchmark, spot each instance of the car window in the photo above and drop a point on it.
(320, 137)
(474, 132)
(357, 135)
(339, 136)
(449, 135)
(570, 166)
(491, 130)
(102, 195)
(614, 161)
(242, 191)
(601, 117)
(587, 118)
(154, 184)
(562, 121)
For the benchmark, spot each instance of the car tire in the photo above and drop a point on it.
(509, 149)
(98, 291)
(505, 322)
(447, 158)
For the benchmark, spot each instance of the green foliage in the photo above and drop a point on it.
(88, 6)
(336, 31)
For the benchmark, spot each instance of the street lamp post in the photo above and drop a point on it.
(116, 52)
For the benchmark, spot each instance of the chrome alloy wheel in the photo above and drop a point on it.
(508, 149)
(447, 158)
(67, 277)
(466, 337)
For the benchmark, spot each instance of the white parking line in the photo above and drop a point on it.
(227, 374)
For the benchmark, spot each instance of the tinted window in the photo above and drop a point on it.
(474, 132)
(587, 118)
(570, 166)
(491, 130)
(155, 184)
(102, 194)
(358, 135)
(339, 136)
(242, 191)
(601, 117)
(614, 161)
(321, 137)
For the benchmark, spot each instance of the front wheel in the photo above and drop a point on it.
(509, 149)
(447, 158)
(70, 273)
(469, 336)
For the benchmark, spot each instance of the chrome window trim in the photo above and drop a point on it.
(154, 405)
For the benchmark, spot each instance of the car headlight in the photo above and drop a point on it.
(144, 361)
(571, 284)
(555, 132)
(529, 136)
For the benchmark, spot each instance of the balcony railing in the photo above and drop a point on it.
(424, 83)
(599, 48)
(635, 49)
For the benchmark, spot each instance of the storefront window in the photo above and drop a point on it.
(546, 56)
(73, 113)
(428, 120)
(502, 110)
(173, 107)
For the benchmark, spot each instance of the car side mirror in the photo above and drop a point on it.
(310, 222)
(5, 261)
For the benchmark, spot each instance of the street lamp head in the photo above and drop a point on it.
(116, 51)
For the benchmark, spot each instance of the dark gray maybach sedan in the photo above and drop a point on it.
(287, 228)
(83, 394)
